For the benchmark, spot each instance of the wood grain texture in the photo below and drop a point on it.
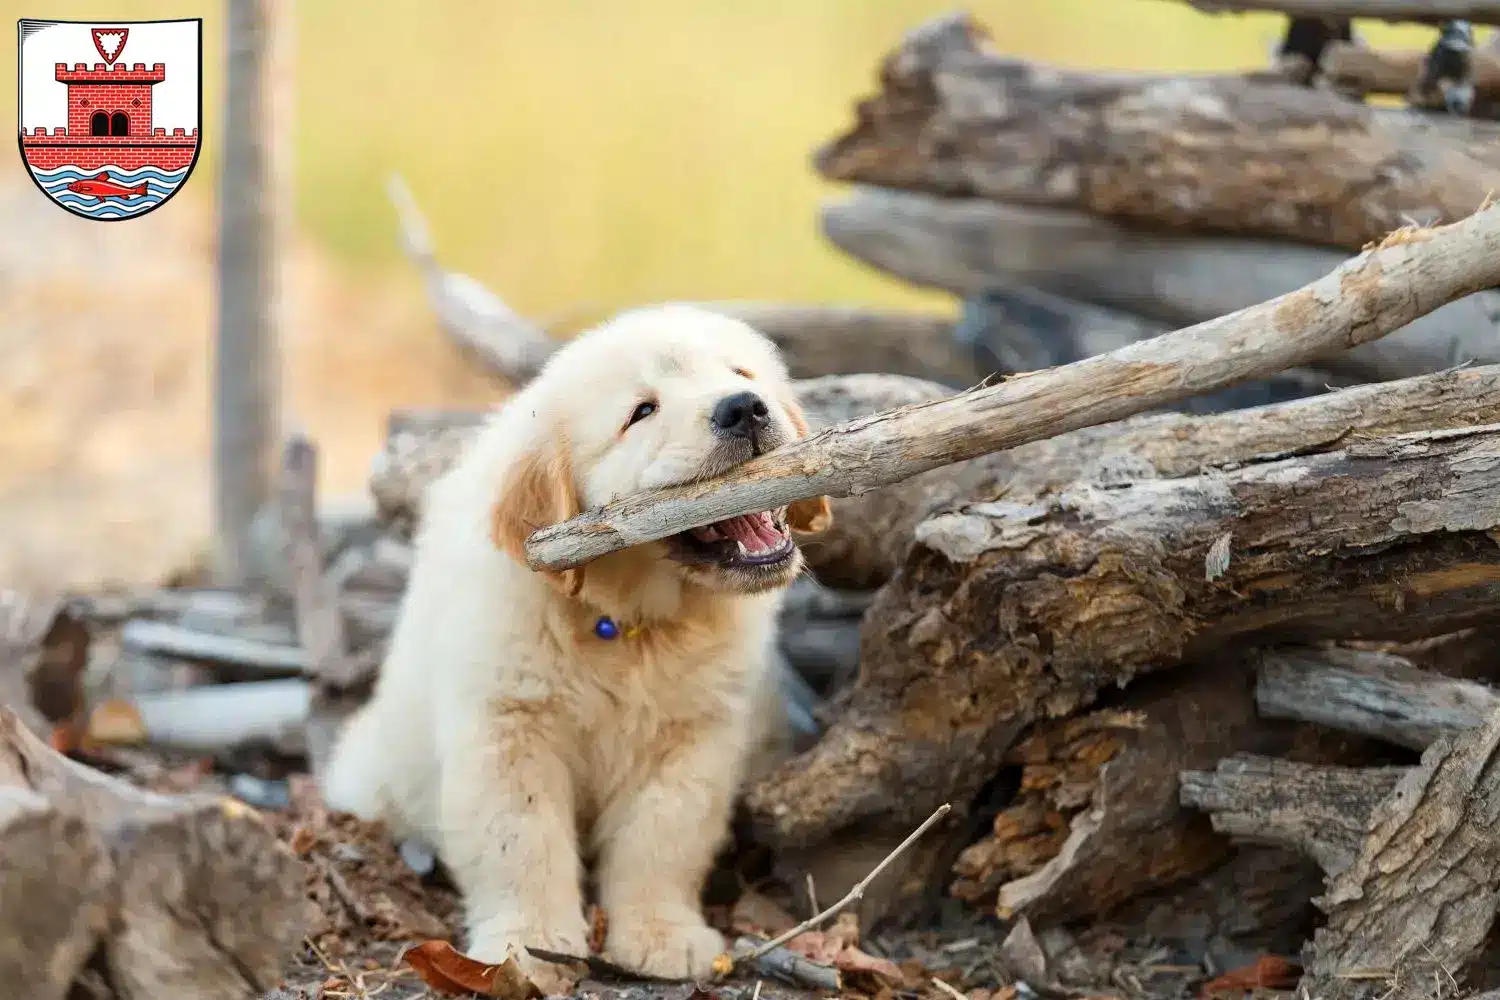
(1024, 607)
(1370, 693)
(1420, 897)
(1097, 821)
(966, 245)
(1320, 811)
(1364, 299)
(199, 899)
(1208, 154)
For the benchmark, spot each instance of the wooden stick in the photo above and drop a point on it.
(1370, 693)
(853, 895)
(1419, 11)
(1409, 274)
(174, 640)
(320, 623)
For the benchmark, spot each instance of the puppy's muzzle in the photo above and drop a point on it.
(742, 416)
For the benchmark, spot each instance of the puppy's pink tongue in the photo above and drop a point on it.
(756, 532)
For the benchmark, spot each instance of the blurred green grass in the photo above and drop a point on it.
(600, 154)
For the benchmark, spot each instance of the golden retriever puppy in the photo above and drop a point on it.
(527, 724)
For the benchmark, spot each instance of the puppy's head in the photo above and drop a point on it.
(655, 398)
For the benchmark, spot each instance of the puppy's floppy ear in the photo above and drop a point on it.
(537, 491)
(807, 517)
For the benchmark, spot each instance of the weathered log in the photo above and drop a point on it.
(266, 658)
(1194, 154)
(965, 245)
(212, 718)
(1416, 11)
(1383, 289)
(1319, 810)
(872, 532)
(1419, 898)
(1097, 819)
(189, 898)
(816, 340)
(1009, 611)
(320, 624)
(1370, 693)
(1360, 70)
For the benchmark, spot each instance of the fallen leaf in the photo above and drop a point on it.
(303, 841)
(598, 928)
(1270, 972)
(723, 965)
(839, 947)
(448, 970)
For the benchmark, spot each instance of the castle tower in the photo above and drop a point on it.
(109, 123)
(113, 102)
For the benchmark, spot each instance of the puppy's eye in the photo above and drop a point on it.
(641, 412)
(744, 373)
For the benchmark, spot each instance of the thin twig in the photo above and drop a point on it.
(952, 992)
(812, 895)
(855, 894)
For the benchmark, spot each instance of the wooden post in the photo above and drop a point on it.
(246, 381)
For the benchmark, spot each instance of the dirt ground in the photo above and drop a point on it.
(104, 390)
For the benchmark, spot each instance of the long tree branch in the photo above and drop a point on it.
(1411, 273)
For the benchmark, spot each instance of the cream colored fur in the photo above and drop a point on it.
(506, 733)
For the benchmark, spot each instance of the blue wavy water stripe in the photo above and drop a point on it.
(120, 176)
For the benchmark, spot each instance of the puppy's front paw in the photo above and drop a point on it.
(667, 945)
(493, 941)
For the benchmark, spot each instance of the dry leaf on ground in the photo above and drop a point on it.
(1270, 972)
(838, 946)
(448, 970)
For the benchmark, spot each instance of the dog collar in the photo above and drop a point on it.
(607, 628)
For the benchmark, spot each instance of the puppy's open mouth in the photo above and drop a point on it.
(748, 540)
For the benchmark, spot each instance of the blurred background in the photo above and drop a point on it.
(578, 156)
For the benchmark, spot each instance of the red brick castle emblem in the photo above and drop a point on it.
(117, 139)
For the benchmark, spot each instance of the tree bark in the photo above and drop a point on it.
(1097, 821)
(1408, 275)
(1194, 154)
(872, 532)
(1419, 898)
(966, 245)
(1318, 810)
(189, 898)
(1371, 694)
(1009, 611)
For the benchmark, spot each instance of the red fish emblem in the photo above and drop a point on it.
(100, 186)
(105, 35)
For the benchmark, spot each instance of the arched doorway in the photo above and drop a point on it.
(119, 124)
(99, 124)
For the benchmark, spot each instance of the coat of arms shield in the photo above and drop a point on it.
(115, 139)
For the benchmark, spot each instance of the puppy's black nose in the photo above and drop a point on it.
(742, 415)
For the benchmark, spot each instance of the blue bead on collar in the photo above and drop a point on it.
(607, 628)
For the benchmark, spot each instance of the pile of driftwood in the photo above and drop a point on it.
(1194, 628)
